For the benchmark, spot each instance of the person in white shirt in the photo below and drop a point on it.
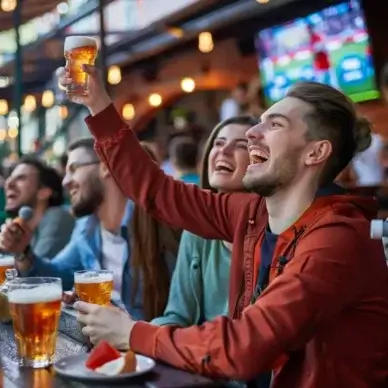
(367, 165)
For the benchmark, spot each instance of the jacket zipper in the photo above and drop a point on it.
(237, 308)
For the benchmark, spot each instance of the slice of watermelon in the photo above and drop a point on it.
(101, 354)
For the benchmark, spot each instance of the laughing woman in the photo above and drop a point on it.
(200, 284)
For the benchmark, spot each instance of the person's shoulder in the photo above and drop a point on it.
(204, 249)
(198, 241)
(339, 242)
(342, 226)
(346, 217)
(191, 239)
(58, 212)
(57, 218)
(197, 246)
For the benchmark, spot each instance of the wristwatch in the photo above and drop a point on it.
(26, 254)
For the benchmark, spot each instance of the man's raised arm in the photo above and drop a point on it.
(175, 203)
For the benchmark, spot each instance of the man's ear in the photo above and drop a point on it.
(44, 194)
(318, 152)
(104, 171)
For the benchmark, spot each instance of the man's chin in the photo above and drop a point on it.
(12, 211)
(80, 210)
(250, 182)
(264, 189)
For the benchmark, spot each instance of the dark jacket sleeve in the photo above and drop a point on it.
(178, 204)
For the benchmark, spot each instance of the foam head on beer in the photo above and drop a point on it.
(42, 293)
(7, 261)
(74, 42)
(93, 277)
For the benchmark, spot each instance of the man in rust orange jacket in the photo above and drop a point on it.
(309, 288)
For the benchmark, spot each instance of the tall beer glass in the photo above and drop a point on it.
(79, 50)
(6, 262)
(35, 306)
(94, 286)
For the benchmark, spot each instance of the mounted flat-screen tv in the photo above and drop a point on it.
(331, 46)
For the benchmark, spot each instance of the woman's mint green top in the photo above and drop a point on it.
(200, 284)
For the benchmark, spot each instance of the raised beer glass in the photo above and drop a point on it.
(94, 286)
(35, 306)
(79, 50)
(6, 262)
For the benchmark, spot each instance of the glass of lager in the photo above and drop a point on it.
(79, 50)
(35, 306)
(6, 262)
(94, 286)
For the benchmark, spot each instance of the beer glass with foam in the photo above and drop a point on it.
(35, 306)
(94, 286)
(79, 50)
(6, 262)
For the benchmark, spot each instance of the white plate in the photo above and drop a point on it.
(74, 367)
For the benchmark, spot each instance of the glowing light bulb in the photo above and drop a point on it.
(128, 111)
(114, 75)
(13, 133)
(8, 5)
(3, 107)
(48, 98)
(62, 8)
(188, 85)
(205, 42)
(29, 103)
(155, 100)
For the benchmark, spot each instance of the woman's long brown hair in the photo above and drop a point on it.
(249, 121)
(150, 241)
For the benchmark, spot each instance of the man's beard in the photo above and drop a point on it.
(283, 172)
(91, 202)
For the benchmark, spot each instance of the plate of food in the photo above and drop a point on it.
(104, 364)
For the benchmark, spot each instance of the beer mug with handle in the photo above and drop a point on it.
(79, 51)
(35, 307)
(9, 274)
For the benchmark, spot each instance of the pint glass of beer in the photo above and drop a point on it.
(94, 286)
(6, 262)
(35, 306)
(79, 50)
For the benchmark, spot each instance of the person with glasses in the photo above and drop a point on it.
(111, 233)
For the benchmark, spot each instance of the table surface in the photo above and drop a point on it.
(69, 343)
